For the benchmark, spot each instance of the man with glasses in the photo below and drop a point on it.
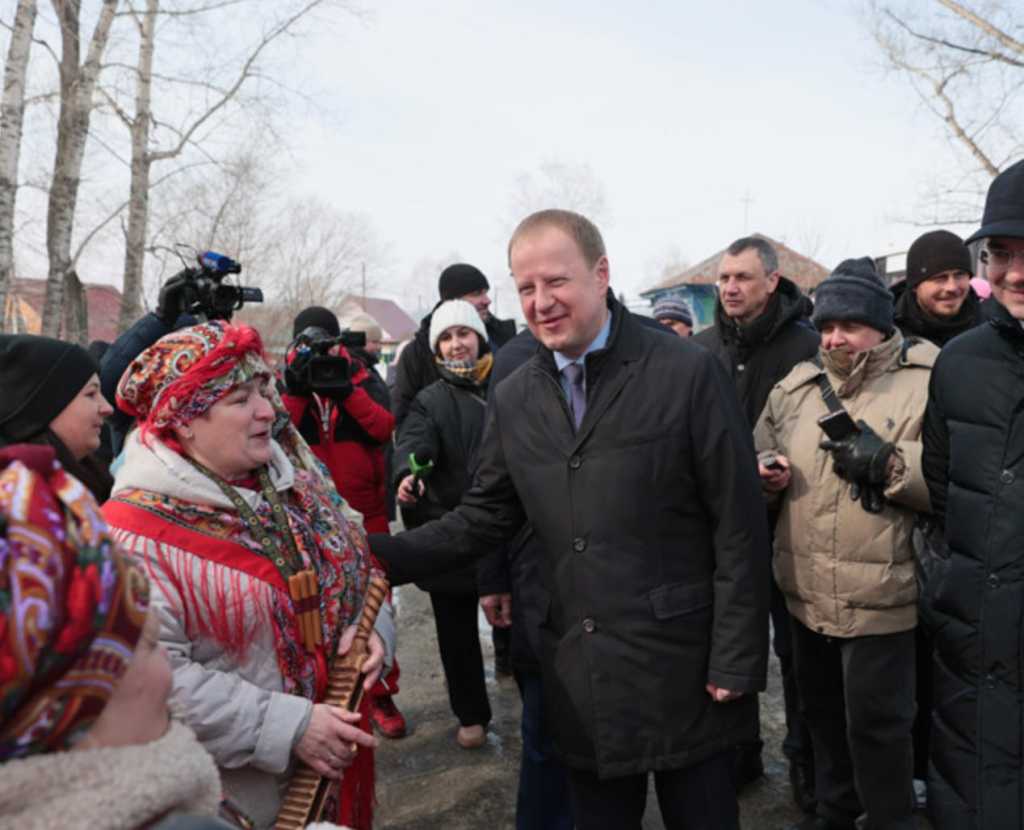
(974, 465)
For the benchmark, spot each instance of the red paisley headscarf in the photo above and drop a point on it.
(71, 606)
(186, 372)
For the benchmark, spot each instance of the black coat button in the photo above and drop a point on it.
(990, 681)
(575, 462)
(993, 580)
(579, 544)
(1007, 477)
(589, 625)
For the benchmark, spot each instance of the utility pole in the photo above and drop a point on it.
(364, 286)
(747, 201)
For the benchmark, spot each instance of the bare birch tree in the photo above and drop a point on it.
(139, 123)
(12, 119)
(77, 85)
(967, 67)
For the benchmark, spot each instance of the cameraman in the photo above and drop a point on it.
(347, 424)
(172, 313)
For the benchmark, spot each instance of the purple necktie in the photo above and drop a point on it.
(577, 394)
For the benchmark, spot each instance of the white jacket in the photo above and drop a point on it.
(236, 706)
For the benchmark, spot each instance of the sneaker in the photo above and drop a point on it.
(384, 715)
(471, 737)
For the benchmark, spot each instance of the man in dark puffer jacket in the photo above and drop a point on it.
(762, 330)
(974, 464)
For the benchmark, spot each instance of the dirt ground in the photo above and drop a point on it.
(426, 782)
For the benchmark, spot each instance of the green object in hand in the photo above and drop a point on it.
(419, 470)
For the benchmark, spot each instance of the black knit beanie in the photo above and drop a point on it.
(459, 280)
(855, 292)
(39, 377)
(935, 253)
(317, 317)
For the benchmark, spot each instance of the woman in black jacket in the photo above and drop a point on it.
(52, 396)
(444, 426)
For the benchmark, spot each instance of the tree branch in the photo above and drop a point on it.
(948, 44)
(277, 31)
(986, 26)
(120, 208)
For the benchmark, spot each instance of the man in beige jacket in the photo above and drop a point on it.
(843, 556)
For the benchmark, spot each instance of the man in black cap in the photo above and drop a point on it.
(416, 368)
(935, 302)
(762, 330)
(974, 465)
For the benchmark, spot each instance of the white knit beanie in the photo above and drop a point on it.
(455, 313)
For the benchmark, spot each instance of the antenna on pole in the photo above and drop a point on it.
(747, 200)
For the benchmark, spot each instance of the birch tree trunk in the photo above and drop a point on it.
(12, 118)
(77, 84)
(138, 198)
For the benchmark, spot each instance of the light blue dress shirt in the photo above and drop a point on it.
(561, 360)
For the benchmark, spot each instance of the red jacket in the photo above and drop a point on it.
(351, 443)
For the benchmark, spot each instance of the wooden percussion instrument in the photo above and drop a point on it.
(304, 801)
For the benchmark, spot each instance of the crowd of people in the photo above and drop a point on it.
(188, 532)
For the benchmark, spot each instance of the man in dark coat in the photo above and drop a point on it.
(761, 332)
(974, 465)
(936, 302)
(512, 594)
(416, 368)
(627, 451)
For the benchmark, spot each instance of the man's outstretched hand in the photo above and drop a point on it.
(720, 695)
(497, 609)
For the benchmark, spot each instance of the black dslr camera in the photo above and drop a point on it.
(206, 294)
(315, 368)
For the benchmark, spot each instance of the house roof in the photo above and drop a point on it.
(103, 302)
(802, 270)
(395, 324)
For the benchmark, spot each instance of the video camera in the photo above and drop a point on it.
(321, 371)
(207, 296)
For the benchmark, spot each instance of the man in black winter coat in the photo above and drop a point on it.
(974, 465)
(936, 302)
(627, 451)
(762, 330)
(416, 368)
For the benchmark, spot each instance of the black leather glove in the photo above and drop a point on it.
(176, 297)
(862, 457)
(296, 374)
(870, 496)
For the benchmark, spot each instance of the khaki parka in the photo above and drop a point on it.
(846, 572)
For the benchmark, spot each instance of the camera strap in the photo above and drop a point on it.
(286, 558)
(828, 394)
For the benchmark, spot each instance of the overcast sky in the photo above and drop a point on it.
(702, 122)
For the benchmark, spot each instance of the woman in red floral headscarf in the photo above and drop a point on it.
(81, 669)
(234, 520)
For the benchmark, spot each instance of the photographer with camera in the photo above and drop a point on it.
(193, 295)
(340, 406)
(839, 446)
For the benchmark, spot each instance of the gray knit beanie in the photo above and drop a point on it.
(672, 308)
(855, 292)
